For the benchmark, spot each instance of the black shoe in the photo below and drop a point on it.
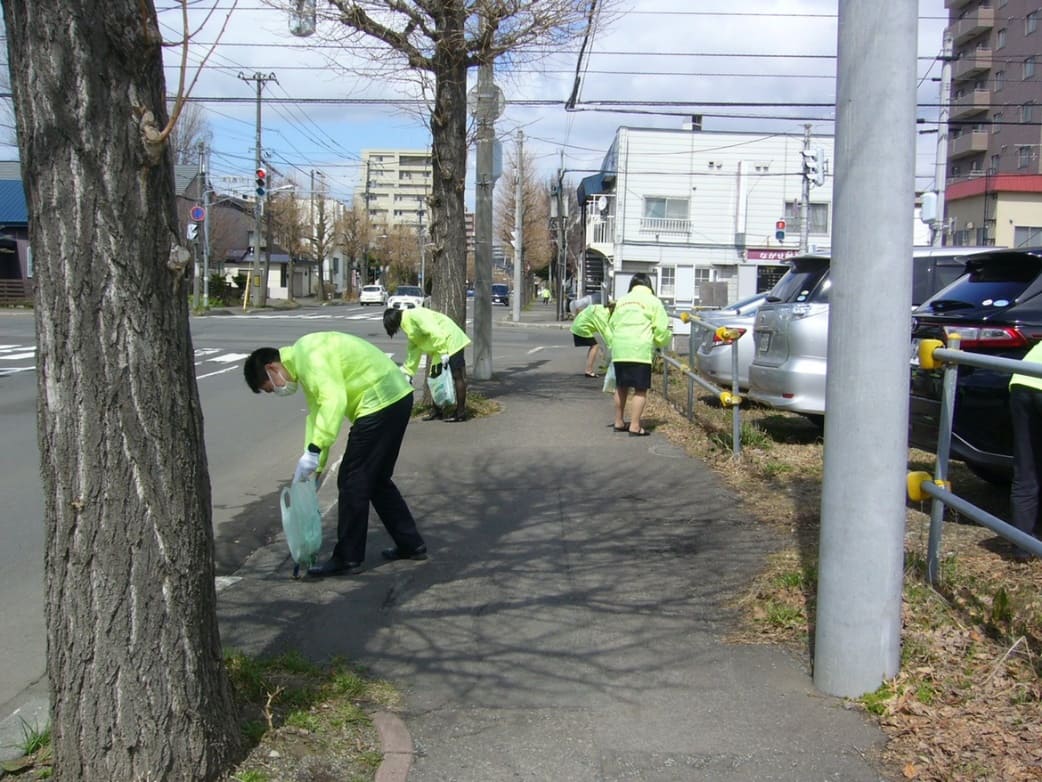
(334, 567)
(434, 415)
(455, 419)
(396, 553)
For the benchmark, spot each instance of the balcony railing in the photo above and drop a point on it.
(972, 142)
(975, 22)
(665, 225)
(973, 64)
(971, 102)
(601, 230)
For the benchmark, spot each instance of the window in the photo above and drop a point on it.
(1023, 157)
(1027, 235)
(667, 281)
(1000, 80)
(996, 122)
(1031, 23)
(1000, 39)
(1027, 112)
(956, 171)
(1001, 3)
(817, 216)
(994, 165)
(1029, 67)
(665, 215)
(702, 274)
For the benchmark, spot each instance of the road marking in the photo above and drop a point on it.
(218, 372)
(229, 358)
(15, 371)
(535, 350)
(18, 356)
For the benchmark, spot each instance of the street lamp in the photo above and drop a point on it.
(423, 255)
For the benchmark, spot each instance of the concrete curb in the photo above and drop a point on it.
(396, 744)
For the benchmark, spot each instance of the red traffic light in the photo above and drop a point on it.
(262, 175)
(779, 225)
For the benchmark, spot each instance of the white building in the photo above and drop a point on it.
(396, 184)
(699, 211)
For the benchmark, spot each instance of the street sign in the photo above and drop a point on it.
(198, 213)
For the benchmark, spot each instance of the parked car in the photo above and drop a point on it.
(407, 297)
(791, 331)
(373, 294)
(996, 308)
(500, 294)
(713, 357)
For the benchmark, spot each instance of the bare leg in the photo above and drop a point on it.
(640, 398)
(591, 359)
(620, 406)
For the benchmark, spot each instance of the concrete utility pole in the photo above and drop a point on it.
(204, 157)
(941, 164)
(861, 556)
(805, 196)
(260, 296)
(200, 189)
(559, 212)
(486, 105)
(519, 228)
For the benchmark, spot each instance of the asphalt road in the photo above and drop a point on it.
(252, 444)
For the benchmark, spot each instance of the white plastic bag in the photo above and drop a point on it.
(443, 390)
(302, 522)
(609, 380)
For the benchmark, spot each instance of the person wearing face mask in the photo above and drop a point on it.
(343, 376)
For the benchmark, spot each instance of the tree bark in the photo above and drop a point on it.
(138, 688)
(449, 161)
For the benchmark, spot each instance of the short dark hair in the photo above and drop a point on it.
(392, 321)
(640, 278)
(254, 368)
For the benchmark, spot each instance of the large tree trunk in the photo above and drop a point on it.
(138, 687)
(449, 159)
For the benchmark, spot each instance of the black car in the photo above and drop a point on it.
(996, 308)
(500, 294)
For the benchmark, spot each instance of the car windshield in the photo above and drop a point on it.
(499, 289)
(986, 285)
(371, 288)
(799, 282)
(408, 290)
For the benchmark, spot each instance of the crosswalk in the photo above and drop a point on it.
(17, 358)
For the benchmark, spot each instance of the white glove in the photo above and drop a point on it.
(405, 372)
(445, 359)
(308, 464)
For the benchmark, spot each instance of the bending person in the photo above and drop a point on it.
(591, 321)
(437, 335)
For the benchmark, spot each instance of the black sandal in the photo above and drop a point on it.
(641, 433)
(434, 415)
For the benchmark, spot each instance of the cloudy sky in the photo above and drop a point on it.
(653, 51)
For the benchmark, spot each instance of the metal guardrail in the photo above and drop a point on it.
(933, 354)
(728, 398)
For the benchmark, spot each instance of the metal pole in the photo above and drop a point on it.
(941, 164)
(805, 196)
(260, 297)
(206, 225)
(861, 553)
(519, 213)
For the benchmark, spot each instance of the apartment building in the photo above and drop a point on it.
(712, 216)
(993, 192)
(395, 185)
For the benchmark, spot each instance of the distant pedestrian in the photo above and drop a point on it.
(639, 325)
(545, 294)
(1025, 405)
(437, 335)
(591, 321)
(344, 376)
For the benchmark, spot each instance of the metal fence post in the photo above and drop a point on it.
(944, 445)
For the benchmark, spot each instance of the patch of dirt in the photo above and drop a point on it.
(967, 704)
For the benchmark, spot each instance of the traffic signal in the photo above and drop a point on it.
(814, 165)
(262, 182)
(779, 230)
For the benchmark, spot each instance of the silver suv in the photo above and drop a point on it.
(791, 332)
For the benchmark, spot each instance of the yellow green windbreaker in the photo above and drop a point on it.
(430, 332)
(1035, 355)
(593, 320)
(342, 376)
(640, 324)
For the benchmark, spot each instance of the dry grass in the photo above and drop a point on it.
(967, 704)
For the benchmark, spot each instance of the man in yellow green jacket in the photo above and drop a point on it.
(1025, 409)
(343, 376)
(590, 321)
(436, 335)
(639, 326)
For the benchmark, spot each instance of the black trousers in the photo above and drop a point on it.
(1025, 407)
(365, 477)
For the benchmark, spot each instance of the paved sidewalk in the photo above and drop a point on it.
(569, 623)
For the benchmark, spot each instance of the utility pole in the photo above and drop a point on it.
(519, 215)
(941, 164)
(486, 104)
(805, 196)
(857, 642)
(204, 158)
(559, 211)
(200, 189)
(261, 294)
(423, 254)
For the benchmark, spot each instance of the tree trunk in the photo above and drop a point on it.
(138, 689)
(449, 159)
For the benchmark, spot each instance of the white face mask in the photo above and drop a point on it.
(289, 388)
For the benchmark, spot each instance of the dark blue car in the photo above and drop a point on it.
(500, 294)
